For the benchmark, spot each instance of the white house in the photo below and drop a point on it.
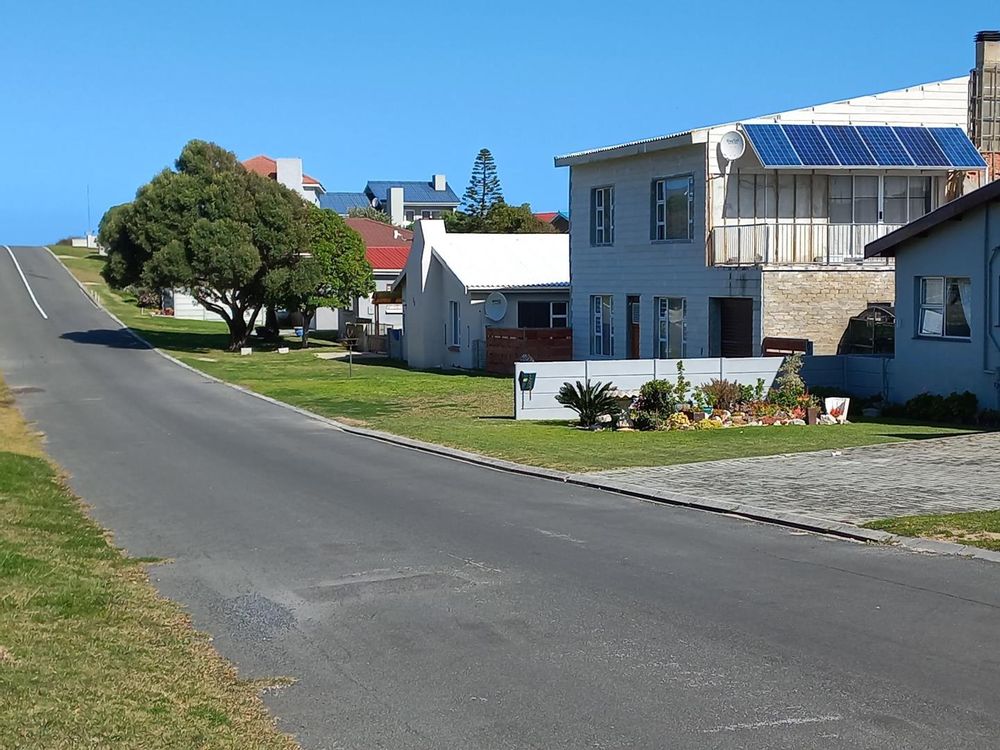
(457, 286)
(288, 172)
(678, 251)
(948, 300)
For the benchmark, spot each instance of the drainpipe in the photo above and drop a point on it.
(989, 257)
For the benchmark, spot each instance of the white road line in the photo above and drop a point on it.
(26, 284)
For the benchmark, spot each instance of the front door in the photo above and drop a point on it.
(736, 326)
(633, 326)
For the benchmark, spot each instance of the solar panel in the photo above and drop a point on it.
(885, 146)
(958, 148)
(922, 147)
(810, 145)
(847, 145)
(772, 146)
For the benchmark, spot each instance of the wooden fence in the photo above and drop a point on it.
(505, 346)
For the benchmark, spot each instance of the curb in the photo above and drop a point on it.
(796, 521)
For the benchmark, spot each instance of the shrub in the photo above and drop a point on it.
(788, 386)
(588, 400)
(708, 424)
(678, 421)
(724, 394)
(647, 420)
(657, 397)
(930, 407)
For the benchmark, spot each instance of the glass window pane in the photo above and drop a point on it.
(786, 196)
(920, 197)
(894, 201)
(956, 321)
(677, 209)
(747, 200)
(675, 329)
(803, 196)
(932, 292)
(931, 322)
(819, 191)
(865, 200)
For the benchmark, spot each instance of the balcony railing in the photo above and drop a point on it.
(791, 244)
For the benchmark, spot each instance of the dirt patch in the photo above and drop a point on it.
(952, 534)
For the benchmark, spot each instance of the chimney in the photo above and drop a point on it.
(984, 100)
(439, 182)
(396, 212)
(288, 172)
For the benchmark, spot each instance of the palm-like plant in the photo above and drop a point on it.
(589, 400)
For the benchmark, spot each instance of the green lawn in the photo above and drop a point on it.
(468, 411)
(90, 656)
(978, 528)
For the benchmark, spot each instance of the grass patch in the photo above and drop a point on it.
(976, 528)
(469, 411)
(90, 655)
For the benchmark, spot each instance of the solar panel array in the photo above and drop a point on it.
(862, 146)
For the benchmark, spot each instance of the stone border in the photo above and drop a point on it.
(748, 512)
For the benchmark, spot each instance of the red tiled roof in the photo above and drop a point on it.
(547, 217)
(377, 234)
(268, 167)
(387, 258)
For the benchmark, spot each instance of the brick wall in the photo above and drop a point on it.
(817, 305)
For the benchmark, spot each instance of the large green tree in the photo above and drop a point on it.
(501, 219)
(484, 190)
(226, 235)
(334, 273)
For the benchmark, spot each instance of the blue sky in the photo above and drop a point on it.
(107, 93)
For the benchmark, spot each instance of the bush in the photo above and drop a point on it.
(725, 394)
(930, 407)
(646, 421)
(657, 397)
(788, 386)
(678, 421)
(588, 400)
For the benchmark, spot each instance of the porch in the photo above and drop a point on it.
(793, 243)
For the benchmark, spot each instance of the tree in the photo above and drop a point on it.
(370, 212)
(335, 272)
(212, 228)
(502, 218)
(484, 190)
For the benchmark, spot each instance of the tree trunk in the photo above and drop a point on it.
(307, 317)
(239, 331)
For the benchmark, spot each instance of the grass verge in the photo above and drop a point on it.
(468, 411)
(976, 528)
(90, 655)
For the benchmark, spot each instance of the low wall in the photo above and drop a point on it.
(628, 374)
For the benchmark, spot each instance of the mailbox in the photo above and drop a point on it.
(527, 381)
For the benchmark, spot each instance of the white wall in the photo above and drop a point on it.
(628, 374)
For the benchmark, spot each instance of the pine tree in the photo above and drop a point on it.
(484, 190)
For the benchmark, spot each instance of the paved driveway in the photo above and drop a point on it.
(942, 475)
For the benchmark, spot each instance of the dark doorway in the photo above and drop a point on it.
(632, 308)
(735, 326)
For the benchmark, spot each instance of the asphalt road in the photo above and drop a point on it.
(421, 602)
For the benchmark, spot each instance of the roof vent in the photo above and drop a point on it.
(988, 36)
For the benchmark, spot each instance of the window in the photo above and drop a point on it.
(409, 214)
(869, 199)
(669, 327)
(945, 307)
(425, 214)
(602, 339)
(532, 314)
(455, 322)
(673, 209)
(602, 216)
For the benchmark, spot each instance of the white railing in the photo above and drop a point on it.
(786, 244)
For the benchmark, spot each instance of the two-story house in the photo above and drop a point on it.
(703, 242)
(405, 201)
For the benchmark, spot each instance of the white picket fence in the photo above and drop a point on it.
(628, 374)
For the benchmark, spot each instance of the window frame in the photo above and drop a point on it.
(552, 314)
(930, 199)
(597, 338)
(941, 308)
(455, 322)
(660, 202)
(661, 319)
(602, 219)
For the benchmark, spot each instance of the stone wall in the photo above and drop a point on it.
(817, 304)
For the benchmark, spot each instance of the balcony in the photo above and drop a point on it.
(794, 244)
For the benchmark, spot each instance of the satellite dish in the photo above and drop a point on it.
(496, 306)
(733, 145)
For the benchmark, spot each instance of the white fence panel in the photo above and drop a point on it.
(627, 374)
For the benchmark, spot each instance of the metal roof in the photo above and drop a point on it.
(344, 202)
(413, 192)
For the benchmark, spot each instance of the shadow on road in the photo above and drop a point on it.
(115, 339)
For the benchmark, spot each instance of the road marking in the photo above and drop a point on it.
(26, 284)
(557, 535)
(770, 724)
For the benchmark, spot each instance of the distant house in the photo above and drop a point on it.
(706, 241)
(386, 249)
(287, 171)
(948, 299)
(456, 288)
(342, 203)
(556, 219)
(406, 202)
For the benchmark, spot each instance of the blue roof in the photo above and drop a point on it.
(413, 192)
(344, 202)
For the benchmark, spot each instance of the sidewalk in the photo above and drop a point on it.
(943, 475)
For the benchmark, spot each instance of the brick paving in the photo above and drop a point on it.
(945, 475)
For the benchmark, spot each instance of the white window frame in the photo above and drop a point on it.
(661, 332)
(880, 209)
(455, 322)
(564, 316)
(598, 325)
(603, 215)
(661, 188)
(941, 308)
